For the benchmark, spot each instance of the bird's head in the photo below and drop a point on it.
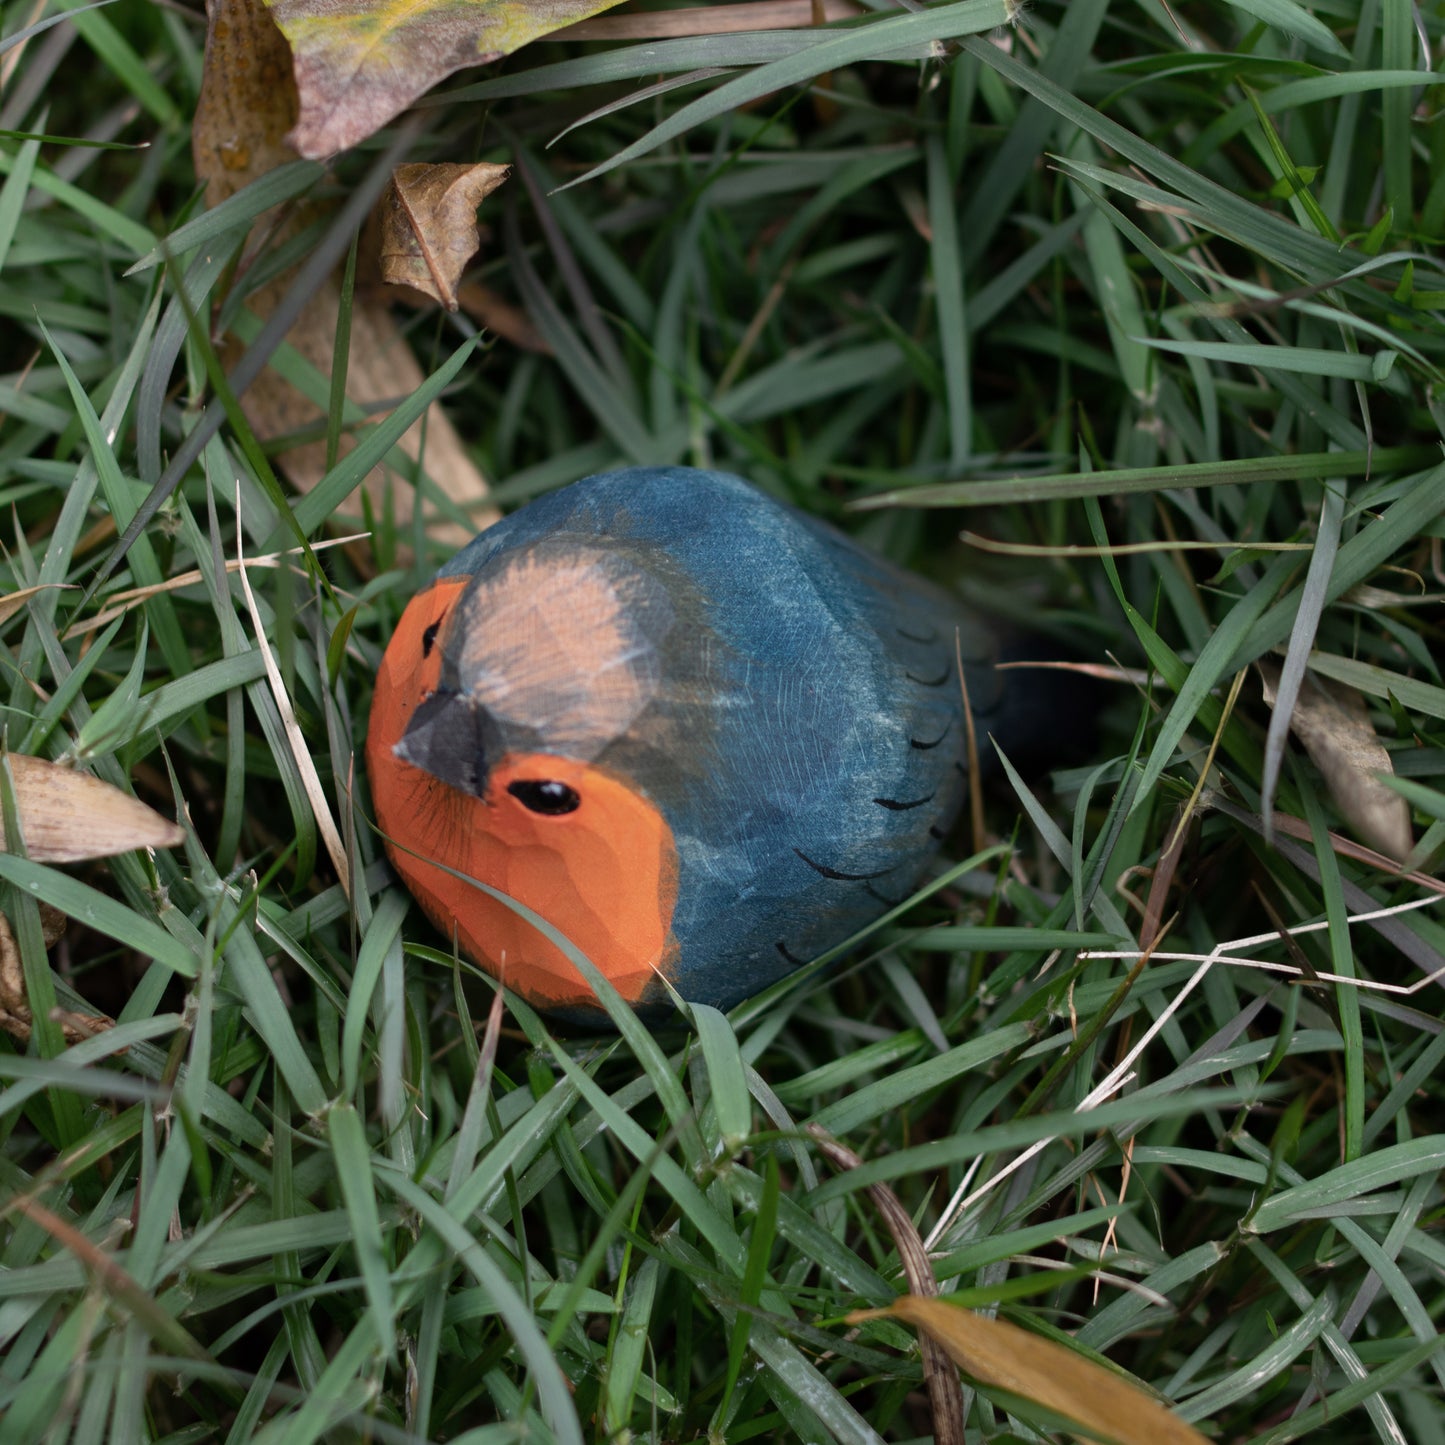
(500, 703)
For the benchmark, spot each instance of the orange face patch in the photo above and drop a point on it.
(603, 873)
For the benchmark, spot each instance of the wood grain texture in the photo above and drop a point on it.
(761, 721)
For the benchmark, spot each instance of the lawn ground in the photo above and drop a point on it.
(1124, 319)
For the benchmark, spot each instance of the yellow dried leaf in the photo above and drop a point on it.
(67, 817)
(1103, 1405)
(359, 63)
(429, 225)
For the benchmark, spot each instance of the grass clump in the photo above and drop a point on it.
(1157, 1073)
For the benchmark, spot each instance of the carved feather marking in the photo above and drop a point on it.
(930, 636)
(883, 898)
(931, 681)
(839, 877)
(893, 805)
(924, 747)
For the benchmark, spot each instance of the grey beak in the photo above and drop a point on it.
(446, 739)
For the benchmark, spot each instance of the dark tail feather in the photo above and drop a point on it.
(1045, 715)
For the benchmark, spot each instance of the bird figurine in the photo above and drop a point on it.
(702, 735)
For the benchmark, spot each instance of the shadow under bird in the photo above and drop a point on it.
(702, 735)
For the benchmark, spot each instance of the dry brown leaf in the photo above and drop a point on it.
(359, 63)
(429, 225)
(1333, 722)
(248, 104)
(15, 1016)
(247, 101)
(1101, 1403)
(67, 817)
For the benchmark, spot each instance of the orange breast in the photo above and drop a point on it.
(604, 874)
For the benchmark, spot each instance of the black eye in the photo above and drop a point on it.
(550, 798)
(429, 637)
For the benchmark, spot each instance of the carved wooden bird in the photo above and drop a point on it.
(704, 736)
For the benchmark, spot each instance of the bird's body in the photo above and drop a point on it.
(703, 736)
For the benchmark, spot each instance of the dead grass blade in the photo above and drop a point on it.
(13, 602)
(1104, 1405)
(300, 752)
(123, 602)
(945, 1395)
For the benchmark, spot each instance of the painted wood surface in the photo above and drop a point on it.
(704, 736)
